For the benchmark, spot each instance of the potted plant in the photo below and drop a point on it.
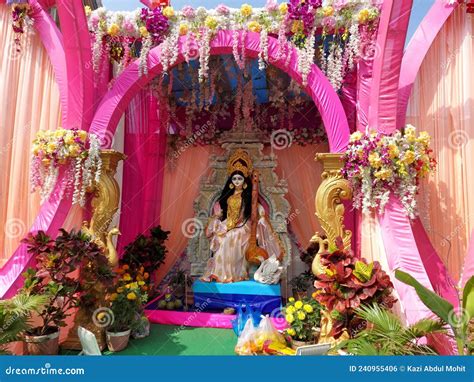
(14, 317)
(147, 251)
(69, 272)
(300, 284)
(303, 318)
(126, 305)
(347, 283)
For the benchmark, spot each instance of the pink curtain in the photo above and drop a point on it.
(29, 101)
(442, 103)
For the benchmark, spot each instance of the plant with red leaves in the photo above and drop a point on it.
(347, 284)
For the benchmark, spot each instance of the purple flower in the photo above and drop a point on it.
(222, 10)
(156, 23)
(188, 12)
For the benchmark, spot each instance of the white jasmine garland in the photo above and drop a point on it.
(204, 53)
(143, 63)
(353, 46)
(263, 54)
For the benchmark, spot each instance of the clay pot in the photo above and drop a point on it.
(296, 344)
(117, 341)
(47, 344)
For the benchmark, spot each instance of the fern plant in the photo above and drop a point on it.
(386, 335)
(15, 314)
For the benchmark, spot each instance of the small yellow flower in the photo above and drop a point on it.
(246, 10)
(113, 30)
(100, 316)
(409, 157)
(254, 26)
(356, 136)
(82, 135)
(291, 299)
(131, 296)
(289, 318)
(383, 174)
(424, 138)
(297, 26)
(301, 315)
(375, 160)
(88, 10)
(36, 149)
(211, 22)
(51, 147)
(328, 11)
(290, 309)
(283, 8)
(119, 289)
(291, 332)
(298, 304)
(74, 150)
(113, 296)
(127, 277)
(393, 151)
(363, 16)
(144, 31)
(168, 12)
(183, 29)
(141, 283)
(308, 308)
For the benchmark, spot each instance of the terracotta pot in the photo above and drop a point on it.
(42, 345)
(117, 341)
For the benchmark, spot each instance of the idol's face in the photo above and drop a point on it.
(238, 180)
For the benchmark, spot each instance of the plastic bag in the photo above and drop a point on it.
(267, 332)
(246, 342)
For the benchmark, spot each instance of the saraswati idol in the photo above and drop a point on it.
(239, 230)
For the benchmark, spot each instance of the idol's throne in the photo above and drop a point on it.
(209, 296)
(272, 194)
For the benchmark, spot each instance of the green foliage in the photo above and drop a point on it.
(302, 282)
(458, 321)
(386, 335)
(363, 271)
(15, 314)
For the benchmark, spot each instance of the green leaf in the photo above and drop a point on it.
(363, 271)
(438, 305)
(468, 297)
(426, 326)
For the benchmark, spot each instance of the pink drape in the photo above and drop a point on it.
(144, 146)
(29, 101)
(442, 103)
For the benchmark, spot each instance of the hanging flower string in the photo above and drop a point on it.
(77, 151)
(21, 20)
(340, 28)
(378, 165)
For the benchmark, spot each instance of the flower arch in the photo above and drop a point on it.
(130, 82)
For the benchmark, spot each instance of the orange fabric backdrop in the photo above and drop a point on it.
(442, 103)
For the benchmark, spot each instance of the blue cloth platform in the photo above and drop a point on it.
(263, 297)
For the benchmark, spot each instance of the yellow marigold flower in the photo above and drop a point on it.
(363, 16)
(328, 11)
(119, 289)
(113, 30)
(254, 26)
(291, 299)
(383, 174)
(143, 31)
(88, 10)
(168, 12)
(375, 160)
(246, 10)
(134, 285)
(393, 151)
(211, 22)
(183, 29)
(356, 136)
(409, 157)
(290, 309)
(283, 8)
(289, 318)
(298, 304)
(297, 26)
(301, 315)
(131, 296)
(141, 283)
(127, 277)
(308, 308)
(113, 296)
(291, 332)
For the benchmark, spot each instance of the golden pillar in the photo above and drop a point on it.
(329, 207)
(105, 204)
